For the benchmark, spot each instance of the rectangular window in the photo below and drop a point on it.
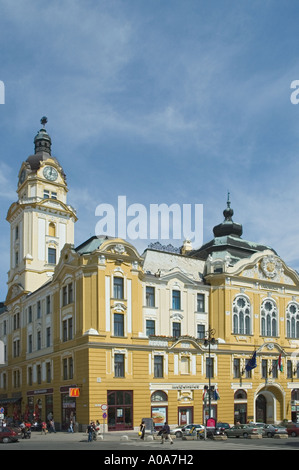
(118, 288)
(236, 368)
(39, 340)
(176, 329)
(201, 332)
(48, 372)
(71, 368)
(48, 304)
(48, 336)
(200, 302)
(158, 366)
(30, 314)
(65, 374)
(150, 296)
(264, 368)
(64, 295)
(30, 375)
(53, 195)
(30, 344)
(46, 194)
(150, 327)
(248, 373)
(70, 293)
(39, 374)
(38, 309)
(209, 367)
(70, 328)
(176, 300)
(64, 330)
(52, 255)
(119, 365)
(118, 324)
(290, 369)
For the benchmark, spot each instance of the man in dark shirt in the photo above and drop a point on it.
(166, 433)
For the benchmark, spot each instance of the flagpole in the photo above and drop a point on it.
(208, 341)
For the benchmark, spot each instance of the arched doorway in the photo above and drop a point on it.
(269, 405)
(261, 409)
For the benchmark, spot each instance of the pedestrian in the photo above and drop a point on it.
(142, 430)
(166, 433)
(90, 430)
(44, 428)
(52, 426)
(71, 429)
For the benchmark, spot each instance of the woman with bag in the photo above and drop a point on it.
(142, 430)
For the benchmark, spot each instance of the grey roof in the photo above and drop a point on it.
(92, 244)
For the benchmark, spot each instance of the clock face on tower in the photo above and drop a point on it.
(50, 173)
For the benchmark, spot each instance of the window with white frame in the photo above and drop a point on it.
(269, 318)
(241, 316)
(292, 318)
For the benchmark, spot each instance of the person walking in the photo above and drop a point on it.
(166, 433)
(71, 429)
(90, 430)
(142, 430)
(52, 426)
(44, 428)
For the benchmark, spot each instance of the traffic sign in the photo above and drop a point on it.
(104, 416)
(1, 410)
(104, 407)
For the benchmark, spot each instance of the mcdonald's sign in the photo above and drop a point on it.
(74, 392)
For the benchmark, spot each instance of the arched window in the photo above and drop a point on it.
(159, 395)
(240, 395)
(241, 316)
(269, 318)
(292, 315)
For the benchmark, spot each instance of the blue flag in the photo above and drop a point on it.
(251, 364)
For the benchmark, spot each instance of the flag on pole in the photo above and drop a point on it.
(251, 364)
(279, 363)
(216, 394)
(204, 394)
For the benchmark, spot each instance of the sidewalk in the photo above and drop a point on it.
(83, 436)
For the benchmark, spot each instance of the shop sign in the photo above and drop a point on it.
(74, 392)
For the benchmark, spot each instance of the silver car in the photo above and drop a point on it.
(243, 430)
(271, 430)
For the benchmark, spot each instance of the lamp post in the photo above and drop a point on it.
(209, 339)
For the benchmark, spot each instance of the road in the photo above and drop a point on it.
(116, 445)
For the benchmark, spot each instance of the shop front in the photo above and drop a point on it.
(68, 405)
(39, 405)
(120, 410)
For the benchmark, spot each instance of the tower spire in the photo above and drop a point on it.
(228, 227)
(42, 140)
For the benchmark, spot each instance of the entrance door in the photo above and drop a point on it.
(185, 415)
(120, 410)
(261, 409)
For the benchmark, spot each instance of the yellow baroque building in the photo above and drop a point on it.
(99, 331)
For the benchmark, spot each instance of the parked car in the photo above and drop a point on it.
(293, 429)
(271, 430)
(10, 434)
(243, 430)
(181, 430)
(222, 425)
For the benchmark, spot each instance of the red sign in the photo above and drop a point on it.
(74, 392)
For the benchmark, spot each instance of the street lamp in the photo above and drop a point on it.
(210, 339)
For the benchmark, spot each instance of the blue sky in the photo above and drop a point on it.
(164, 101)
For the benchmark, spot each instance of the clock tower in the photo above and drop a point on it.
(41, 221)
